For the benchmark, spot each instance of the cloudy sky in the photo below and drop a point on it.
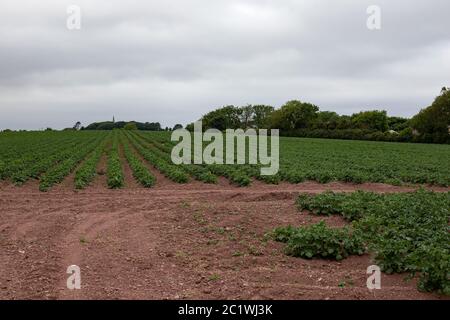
(171, 61)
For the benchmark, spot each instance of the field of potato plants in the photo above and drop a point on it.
(407, 232)
(99, 195)
(51, 156)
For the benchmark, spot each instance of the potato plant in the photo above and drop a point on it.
(140, 172)
(86, 173)
(318, 240)
(406, 232)
(114, 173)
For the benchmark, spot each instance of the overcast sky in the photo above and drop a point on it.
(173, 60)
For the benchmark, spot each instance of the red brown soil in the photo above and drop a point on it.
(191, 241)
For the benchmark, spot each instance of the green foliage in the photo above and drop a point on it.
(223, 118)
(332, 160)
(163, 149)
(326, 120)
(351, 206)
(234, 174)
(397, 124)
(115, 178)
(85, 174)
(140, 172)
(371, 120)
(130, 126)
(294, 115)
(360, 161)
(261, 116)
(433, 123)
(57, 173)
(109, 125)
(169, 170)
(320, 241)
(408, 232)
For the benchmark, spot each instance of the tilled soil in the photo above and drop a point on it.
(192, 241)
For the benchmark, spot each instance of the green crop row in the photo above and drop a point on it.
(407, 232)
(232, 173)
(164, 150)
(114, 173)
(140, 172)
(169, 170)
(324, 161)
(85, 174)
(33, 163)
(57, 173)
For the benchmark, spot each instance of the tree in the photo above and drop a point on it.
(246, 116)
(296, 115)
(77, 126)
(433, 123)
(130, 126)
(190, 127)
(344, 122)
(326, 120)
(397, 124)
(178, 126)
(261, 116)
(371, 120)
(223, 118)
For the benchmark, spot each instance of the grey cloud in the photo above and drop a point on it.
(172, 61)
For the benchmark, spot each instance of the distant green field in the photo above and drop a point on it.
(51, 156)
(360, 161)
(326, 160)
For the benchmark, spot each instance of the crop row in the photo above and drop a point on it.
(140, 172)
(115, 177)
(407, 232)
(86, 173)
(36, 160)
(163, 150)
(321, 160)
(57, 173)
(169, 170)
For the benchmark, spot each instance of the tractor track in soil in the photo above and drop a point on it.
(173, 241)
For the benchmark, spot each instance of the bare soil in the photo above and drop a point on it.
(191, 241)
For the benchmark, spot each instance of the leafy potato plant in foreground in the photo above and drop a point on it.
(407, 232)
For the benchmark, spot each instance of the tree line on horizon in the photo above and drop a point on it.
(301, 119)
